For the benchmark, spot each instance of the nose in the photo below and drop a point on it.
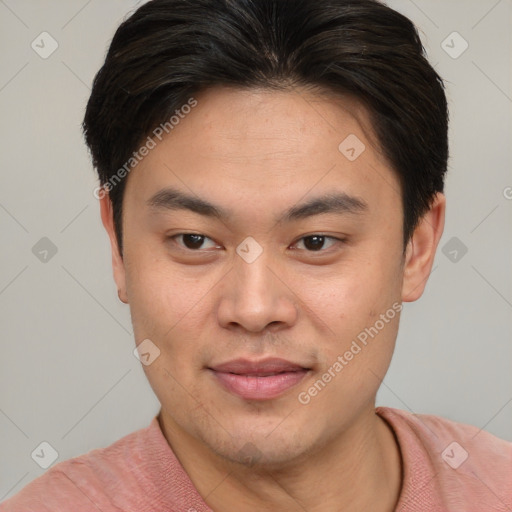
(256, 296)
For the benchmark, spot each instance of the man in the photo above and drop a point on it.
(272, 185)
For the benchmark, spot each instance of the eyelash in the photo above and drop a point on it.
(325, 237)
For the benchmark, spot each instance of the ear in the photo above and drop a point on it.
(107, 217)
(421, 250)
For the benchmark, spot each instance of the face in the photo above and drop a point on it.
(275, 306)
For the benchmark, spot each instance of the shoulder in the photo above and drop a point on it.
(434, 431)
(471, 466)
(52, 491)
(87, 482)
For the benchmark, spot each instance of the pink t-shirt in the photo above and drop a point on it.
(448, 466)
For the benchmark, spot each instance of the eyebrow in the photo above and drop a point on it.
(335, 202)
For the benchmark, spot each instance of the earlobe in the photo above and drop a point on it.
(421, 250)
(118, 269)
(121, 296)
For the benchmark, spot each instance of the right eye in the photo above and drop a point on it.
(190, 241)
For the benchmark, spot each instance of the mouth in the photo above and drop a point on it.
(258, 380)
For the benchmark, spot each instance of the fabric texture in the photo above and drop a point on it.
(447, 466)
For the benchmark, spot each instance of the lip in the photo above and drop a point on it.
(259, 380)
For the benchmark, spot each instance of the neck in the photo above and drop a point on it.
(360, 469)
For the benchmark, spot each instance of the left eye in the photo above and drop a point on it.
(315, 243)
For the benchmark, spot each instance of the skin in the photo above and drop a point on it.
(257, 153)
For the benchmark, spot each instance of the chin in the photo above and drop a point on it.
(263, 447)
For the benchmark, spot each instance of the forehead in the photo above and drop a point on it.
(266, 144)
(260, 123)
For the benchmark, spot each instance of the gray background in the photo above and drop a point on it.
(68, 375)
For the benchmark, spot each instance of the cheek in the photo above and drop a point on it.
(347, 306)
(167, 309)
(160, 297)
(356, 290)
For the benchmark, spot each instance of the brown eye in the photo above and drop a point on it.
(316, 242)
(191, 241)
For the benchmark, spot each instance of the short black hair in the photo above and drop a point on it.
(167, 51)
